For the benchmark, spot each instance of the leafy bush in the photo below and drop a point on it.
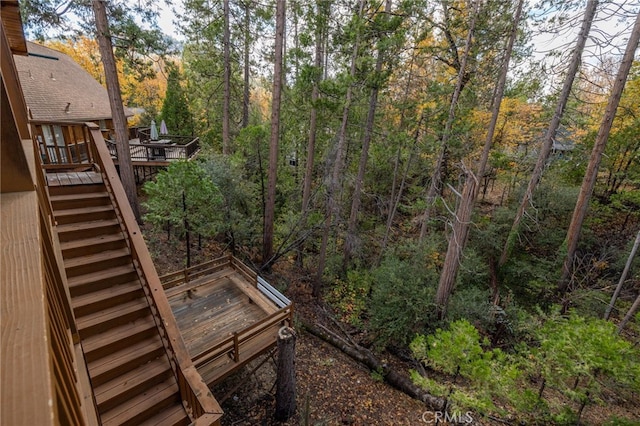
(461, 351)
(456, 351)
(350, 296)
(402, 293)
(239, 213)
(181, 195)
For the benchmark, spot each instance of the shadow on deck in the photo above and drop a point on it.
(227, 315)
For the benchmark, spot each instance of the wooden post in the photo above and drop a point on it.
(286, 374)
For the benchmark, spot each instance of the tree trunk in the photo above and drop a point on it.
(226, 138)
(395, 197)
(623, 277)
(286, 374)
(630, 313)
(267, 247)
(186, 230)
(338, 165)
(458, 239)
(350, 240)
(313, 122)
(436, 178)
(395, 379)
(547, 142)
(591, 174)
(247, 66)
(117, 108)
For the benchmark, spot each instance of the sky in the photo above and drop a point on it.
(608, 35)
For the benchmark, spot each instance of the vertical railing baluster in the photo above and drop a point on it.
(236, 348)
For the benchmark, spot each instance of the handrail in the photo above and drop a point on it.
(245, 271)
(272, 293)
(150, 151)
(41, 372)
(234, 342)
(65, 143)
(193, 390)
(174, 279)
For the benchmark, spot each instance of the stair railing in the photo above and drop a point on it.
(197, 398)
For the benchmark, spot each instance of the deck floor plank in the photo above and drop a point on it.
(73, 178)
(210, 309)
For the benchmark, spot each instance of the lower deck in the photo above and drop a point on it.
(225, 319)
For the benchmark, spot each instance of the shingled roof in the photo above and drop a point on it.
(57, 89)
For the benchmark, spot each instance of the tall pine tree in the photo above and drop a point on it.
(175, 109)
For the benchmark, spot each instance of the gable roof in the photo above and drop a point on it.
(56, 88)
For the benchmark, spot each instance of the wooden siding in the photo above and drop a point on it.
(38, 362)
(14, 169)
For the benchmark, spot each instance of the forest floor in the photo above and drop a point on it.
(332, 388)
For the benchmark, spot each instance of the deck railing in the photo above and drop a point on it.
(92, 151)
(158, 151)
(234, 346)
(60, 144)
(199, 402)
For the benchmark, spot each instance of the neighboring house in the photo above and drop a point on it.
(56, 88)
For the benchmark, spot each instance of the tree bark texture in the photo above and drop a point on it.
(333, 208)
(351, 238)
(623, 277)
(269, 214)
(226, 103)
(549, 136)
(117, 108)
(591, 174)
(286, 374)
(462, 218)
(247, 66)
(436, 177)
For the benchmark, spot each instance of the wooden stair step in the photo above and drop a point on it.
(88, 303)
(84, 246)
(126, 359)
(122, 388)
(98, 192)
(100, 280)
(75, 189)
(116, 338)
(143, 406)
(101, 321)
(96, 261)
(68, 201)
(174, 415)
(83, 230)
(84, 214)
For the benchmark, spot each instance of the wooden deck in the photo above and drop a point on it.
(138, 369)
(224, 319)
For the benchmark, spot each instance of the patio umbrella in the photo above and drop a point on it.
(154, 131)
(163, 128)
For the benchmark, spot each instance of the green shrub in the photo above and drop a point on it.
(350, 296)
(402, 294)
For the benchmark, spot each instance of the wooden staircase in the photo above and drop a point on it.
(131, 377)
